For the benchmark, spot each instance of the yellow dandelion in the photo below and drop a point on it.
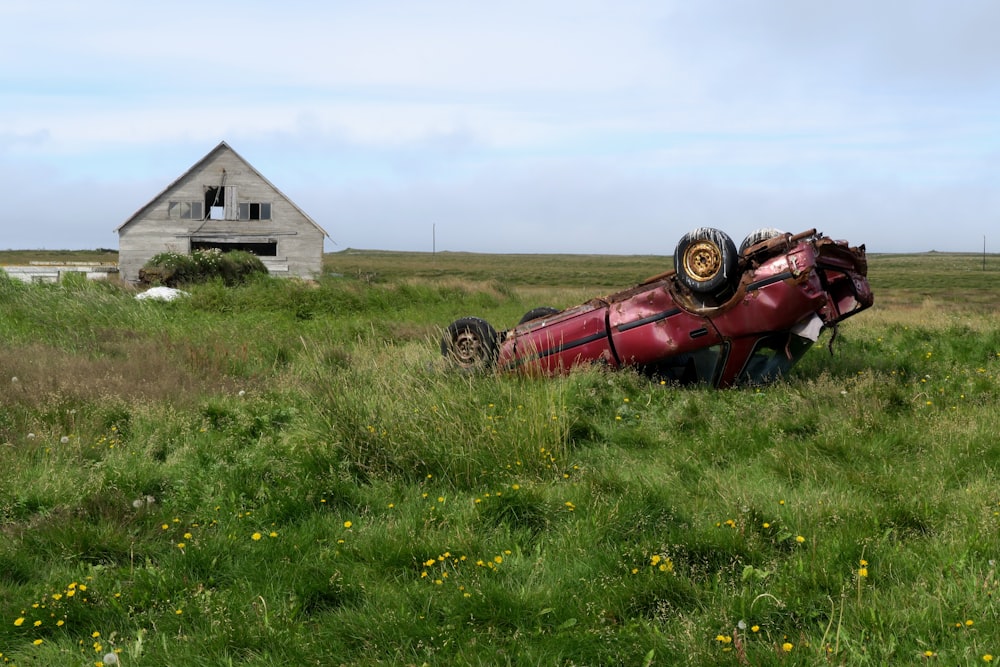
(929, 654)
(179, 612)
(19, 621)
(863, 572)
(800, 539)
(348, 524)
(60, 623)
(498, 559)
(37, 642)
(987, 658)
(272, 534)
(787, 647)
(95, 635)
(755, 628)
(37, 623)
(256, 536)
(180, 545)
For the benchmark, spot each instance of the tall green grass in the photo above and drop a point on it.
(287, 473)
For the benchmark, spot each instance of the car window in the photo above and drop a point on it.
(773, 357)
(697, 367)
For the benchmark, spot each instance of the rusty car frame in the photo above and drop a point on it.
(723, 316)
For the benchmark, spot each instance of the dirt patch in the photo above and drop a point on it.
(123, 366)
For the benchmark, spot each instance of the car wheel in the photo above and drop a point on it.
(759, 236)
(470, 343)
(706, 261)
(538, 313)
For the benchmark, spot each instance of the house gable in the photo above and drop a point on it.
(223, 202)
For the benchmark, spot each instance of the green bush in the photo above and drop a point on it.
(173, 269)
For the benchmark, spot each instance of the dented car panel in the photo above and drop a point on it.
(721, 318)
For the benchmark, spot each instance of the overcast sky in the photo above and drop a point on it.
(521, 126)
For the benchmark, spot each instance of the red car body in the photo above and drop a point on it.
(779, 294)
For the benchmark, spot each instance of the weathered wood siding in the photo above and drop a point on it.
(152, 230)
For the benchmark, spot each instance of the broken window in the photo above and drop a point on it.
(773, 356)
(697, 367)
(219, 202)
(185, 210)
(255, 210)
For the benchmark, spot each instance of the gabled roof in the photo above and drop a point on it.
(223, 146)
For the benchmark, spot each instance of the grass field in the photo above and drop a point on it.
(285, 473)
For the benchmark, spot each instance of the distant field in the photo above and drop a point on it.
(918, 271)
(909, 271)
(27, 256)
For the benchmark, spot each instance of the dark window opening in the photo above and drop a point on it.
(690, 368)
(773, 357)
(255, 210)
(264, 249)
(217, 201)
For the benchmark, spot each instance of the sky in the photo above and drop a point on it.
(541, 126)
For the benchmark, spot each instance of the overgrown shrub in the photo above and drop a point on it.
(173, 269)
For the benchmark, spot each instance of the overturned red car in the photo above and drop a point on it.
(722, 317)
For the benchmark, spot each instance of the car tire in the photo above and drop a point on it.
(538, 313)
(706, 261)
(759, 236)
(471, 344)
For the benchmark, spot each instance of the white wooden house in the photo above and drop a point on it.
(223, 202)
